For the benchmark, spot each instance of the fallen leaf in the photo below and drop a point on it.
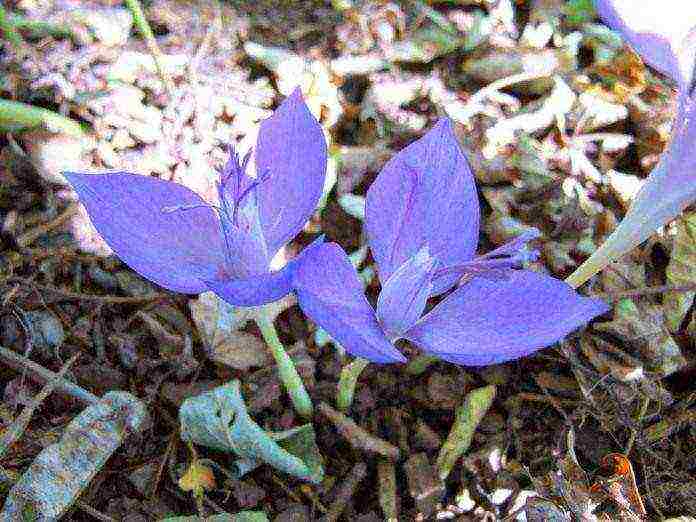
(61, 472)
(219, 420)
(197, 479)
(681, 271)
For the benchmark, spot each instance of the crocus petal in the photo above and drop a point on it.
(656, 30)
(330, 293)
(291, 150)
(262, 288)
(486, 322)
(669, 189)
(425, 195)
(403, 297)
(176, 249)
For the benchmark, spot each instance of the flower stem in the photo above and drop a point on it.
(146, 31)
(286, 368)
(346, 384)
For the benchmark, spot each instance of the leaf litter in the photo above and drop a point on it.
(377, 74)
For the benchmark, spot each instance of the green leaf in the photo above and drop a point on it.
(218, 419)
(302, 443)
(17, 117)
(681, 271)
(467, 418)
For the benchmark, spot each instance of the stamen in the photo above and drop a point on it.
(177, 208)
(512, 255)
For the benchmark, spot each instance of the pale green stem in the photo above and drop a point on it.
(419, 364)
(286, 368)
(17, 116)
(346, 384)
(145, 30)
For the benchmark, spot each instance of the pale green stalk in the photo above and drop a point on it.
(17, 117)
(346, 384)
(145, 30)
(286, 368)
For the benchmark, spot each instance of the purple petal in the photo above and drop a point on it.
(175, 249)
(424, 196)
(330, 293)
(291, 148)
(403, 297)
(669, 189)
(486, 322)
(656, 30)
(263, 288)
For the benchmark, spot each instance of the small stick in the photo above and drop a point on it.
(16, 361)
(15, 431)
(356, 436)
(66, 295)
(345, 491)
(387, 490)
(32, 235)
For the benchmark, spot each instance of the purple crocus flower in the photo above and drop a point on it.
(422, 223)
(664, 34)
(169, 235)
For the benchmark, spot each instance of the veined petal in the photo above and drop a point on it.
(291, 150)
(487, 322)
(403, 297)
(330, 293)
(669, 189)
(176, 249)
(656, 30)
(260, 289)
(424, 196)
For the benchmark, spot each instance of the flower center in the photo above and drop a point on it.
(239, 217)
(246, 250)
(513, 254)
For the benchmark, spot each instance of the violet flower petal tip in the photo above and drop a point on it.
(487, 322)
(142, 220)
(424, 195)
(330, 293)
(291, 156)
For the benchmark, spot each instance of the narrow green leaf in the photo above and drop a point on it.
(467, 418)
(17, 117)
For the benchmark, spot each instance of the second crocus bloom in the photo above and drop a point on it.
(422, 223)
